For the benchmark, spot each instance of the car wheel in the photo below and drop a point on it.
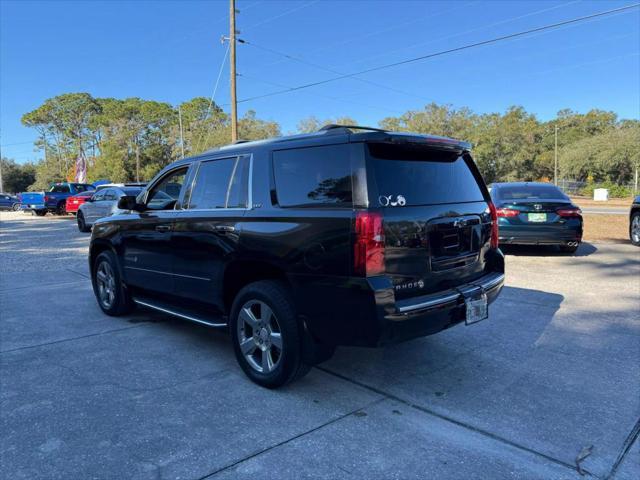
(569, 248)
(266, 334)
(40, 213)
(634, 229)
(82, 225)
(61, 209)
(113, 297)
(15, 207)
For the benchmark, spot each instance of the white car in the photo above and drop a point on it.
(103, 203)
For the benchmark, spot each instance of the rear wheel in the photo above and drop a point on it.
(266, 334)
(61, 209)
(15, 207)
(110, 292)
(40, 213)
(569, 248)
(634, 229)
(82, 225)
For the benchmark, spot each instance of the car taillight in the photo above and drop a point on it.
(569, 212)
(494, 225)
(47, 198)
(368, 249)
(507, 212)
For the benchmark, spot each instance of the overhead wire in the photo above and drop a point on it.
(449, 51)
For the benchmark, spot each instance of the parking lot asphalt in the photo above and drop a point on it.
(547, 386)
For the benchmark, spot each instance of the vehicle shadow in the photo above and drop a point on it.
(584, 250)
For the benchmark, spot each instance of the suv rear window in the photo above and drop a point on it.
(313, 176)
(423, 176)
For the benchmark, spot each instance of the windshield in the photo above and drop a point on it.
(538, 192)
(422, 176)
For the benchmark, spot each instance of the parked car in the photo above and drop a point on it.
(531, 213)
(102, 203)
(301, 244)
(55, 200)
(634, 222)
(74, 202)
(9, 202)
(120, 185)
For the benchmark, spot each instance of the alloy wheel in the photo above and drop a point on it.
(635, 229)
(259, 336)
(106, 282)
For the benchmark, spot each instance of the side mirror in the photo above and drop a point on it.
(128, 202)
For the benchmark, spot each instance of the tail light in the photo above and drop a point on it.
(507, 212)
(47, 198)
(494, 225)
(368, 249)
(569, 212)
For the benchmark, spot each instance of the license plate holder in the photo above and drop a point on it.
(537, 217)
(476, 309)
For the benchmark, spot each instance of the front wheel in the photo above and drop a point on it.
(16, 207)
(61, 209)
(113, 298)
(634, 229)
(40, 213)
(266, 334)
(82, 225)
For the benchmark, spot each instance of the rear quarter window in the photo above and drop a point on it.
(313, 176)
(421, 175)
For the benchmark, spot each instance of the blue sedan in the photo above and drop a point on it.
(532, 213)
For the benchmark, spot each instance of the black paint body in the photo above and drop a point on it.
(199, 259)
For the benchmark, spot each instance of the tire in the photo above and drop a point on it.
(61, 209)
(111, 294)
(40, 213)
(16, 207)
(568, 249)
(82, 225)
(634, 229)
(258, 335)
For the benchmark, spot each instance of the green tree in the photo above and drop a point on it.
(17, 177)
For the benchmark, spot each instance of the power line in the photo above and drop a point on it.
(448, 51)
(215, 89)
(465, 32)
(328, 69)
(286, 12)
(337, 99)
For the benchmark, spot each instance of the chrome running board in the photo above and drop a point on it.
(175, 313)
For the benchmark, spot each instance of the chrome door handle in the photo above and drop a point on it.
(224, 228)
(163, 228)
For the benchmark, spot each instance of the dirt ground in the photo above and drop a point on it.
(584, 202)
(606, 228)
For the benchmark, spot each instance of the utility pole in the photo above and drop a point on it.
(555, 168)
(232, 62)
(181, 132)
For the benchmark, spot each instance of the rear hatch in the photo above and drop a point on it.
(435, 216)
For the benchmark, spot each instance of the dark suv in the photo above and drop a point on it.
(347, 236)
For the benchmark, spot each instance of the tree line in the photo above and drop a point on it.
(132, 139)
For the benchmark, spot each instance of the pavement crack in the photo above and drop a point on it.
(54, 342)
(626, 446)
(291, 439)
(459, 423)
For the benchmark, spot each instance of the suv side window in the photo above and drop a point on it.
(60, 189)
(221, 184)
(313, 176)
(163, 195)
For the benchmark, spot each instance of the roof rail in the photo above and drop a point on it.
(333, 126)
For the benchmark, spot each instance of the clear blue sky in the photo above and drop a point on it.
(171, 51)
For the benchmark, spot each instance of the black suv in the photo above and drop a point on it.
(347, 236)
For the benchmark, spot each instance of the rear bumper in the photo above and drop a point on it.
(364, 311)
(540, 235)
(33, 206)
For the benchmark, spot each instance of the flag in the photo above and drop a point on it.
(81, 168)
